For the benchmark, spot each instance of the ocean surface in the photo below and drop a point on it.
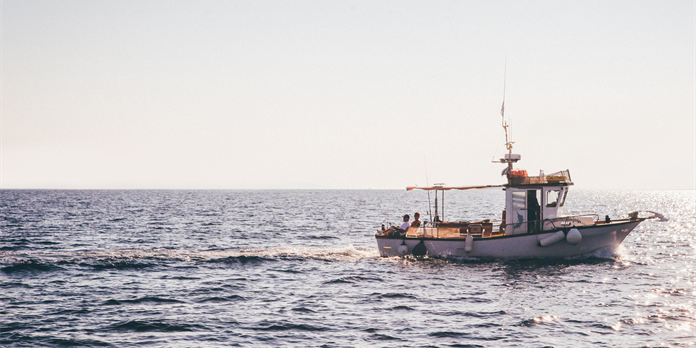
(300, 268)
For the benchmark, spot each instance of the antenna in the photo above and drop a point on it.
(509, 157)
(502, 109)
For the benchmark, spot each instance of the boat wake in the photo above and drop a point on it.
(349, 254)
(606, 253)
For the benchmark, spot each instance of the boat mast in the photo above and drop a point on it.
(508, 143)
(509, 158)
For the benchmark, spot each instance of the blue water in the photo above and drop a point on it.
(300, 268)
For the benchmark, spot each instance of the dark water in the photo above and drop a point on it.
(300, 268)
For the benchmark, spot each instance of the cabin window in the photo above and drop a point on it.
(519, 200)
(565, 193)
(552, 197)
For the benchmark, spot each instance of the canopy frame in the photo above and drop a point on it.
(447, 188)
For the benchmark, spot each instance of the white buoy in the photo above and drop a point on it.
(556, 237)
(469, 243)
(403, 249)
(574, 236)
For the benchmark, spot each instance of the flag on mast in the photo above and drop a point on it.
(502, 109)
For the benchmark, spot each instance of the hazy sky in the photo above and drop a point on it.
(344, 94)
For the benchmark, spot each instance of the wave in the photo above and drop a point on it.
(241, 259)
(482, 315)
(30, 266)
(289, 326)
(407, 308)
(450, 334)
(99, 265)
(222, 299)
(543, 320)
(396, 295)
(153, 326)
(67, 342)
(352, 280)
(147, 299)
(383, 337)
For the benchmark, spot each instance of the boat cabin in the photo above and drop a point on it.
(531, 200)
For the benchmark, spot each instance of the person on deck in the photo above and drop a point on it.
(404, 227)
(416, 220)
(534, 214)
(401, 230)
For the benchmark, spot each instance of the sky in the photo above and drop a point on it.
(344, 94)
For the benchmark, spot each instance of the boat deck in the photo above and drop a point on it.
(480, 230)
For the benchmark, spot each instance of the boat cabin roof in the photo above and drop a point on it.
(517, 179)
(561, 178)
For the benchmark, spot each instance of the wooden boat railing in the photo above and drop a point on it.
(494, 228)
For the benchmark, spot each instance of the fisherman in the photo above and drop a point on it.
(401, 230)
(404, 227)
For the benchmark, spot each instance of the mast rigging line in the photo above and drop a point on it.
(497, 147)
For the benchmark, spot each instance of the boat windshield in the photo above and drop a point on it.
(552, 197)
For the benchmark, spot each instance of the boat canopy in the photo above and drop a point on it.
(447, 188)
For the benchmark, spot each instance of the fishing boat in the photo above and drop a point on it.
(534, 224)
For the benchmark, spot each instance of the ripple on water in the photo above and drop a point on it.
(154, 326)
(300, 268)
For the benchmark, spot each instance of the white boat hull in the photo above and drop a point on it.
(520, 246)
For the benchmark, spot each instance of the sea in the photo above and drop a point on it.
(300, 268)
